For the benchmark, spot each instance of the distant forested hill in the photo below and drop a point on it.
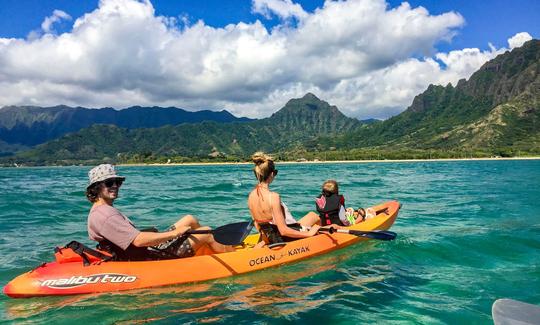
(29, 125)
(299, 123)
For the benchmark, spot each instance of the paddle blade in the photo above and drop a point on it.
(375, 234)
(233, 233)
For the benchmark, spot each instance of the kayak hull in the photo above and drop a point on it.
(52, 279)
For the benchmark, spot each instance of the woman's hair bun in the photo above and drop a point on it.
(260, 158)
(264, 165)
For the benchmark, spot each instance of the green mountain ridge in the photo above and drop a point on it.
(497, 107)
(298, 122)
(31, 125)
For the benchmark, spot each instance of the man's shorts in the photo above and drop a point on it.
(180, 246)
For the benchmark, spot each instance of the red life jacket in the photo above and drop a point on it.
(328, 208)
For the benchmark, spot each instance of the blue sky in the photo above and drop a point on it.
(287, 38)
(486, 21)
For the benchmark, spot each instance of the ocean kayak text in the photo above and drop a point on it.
(272, 257)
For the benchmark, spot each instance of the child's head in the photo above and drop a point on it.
(330, 187)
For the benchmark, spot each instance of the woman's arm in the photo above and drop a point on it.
(146, 239)
(279, 220)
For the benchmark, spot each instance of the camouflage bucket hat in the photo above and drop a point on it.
(101, 173)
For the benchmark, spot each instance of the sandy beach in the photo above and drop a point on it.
(336, 161)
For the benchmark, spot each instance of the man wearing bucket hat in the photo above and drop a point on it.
(117, 234)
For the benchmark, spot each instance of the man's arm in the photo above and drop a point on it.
(145, 239)
(122, 233)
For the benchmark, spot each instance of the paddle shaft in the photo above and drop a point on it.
(374, 234)
(195, 232)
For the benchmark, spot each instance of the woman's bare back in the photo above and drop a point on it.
(259, 203)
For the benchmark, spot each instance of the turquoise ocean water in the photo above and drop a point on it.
(468, 233)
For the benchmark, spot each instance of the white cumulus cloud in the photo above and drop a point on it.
(282, 8)
(364, 56)
(518, 39)
(57, 16)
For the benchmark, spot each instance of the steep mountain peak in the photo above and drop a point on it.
(496, 82)
(312, 115)
(310, 96)
(309, 102)
(498, 103)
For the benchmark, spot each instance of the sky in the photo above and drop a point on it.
(370, 58)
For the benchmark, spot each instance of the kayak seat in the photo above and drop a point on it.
(272, 235)
(277, 245)
(77, 252)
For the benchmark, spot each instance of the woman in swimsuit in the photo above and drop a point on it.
(268, 211)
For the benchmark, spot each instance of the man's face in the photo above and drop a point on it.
(109, 189)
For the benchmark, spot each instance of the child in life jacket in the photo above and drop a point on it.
(331, 207)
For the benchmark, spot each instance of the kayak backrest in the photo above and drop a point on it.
(67, 255)
(77, 252)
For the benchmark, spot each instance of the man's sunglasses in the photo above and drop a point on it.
(112, 181)
(275, 172)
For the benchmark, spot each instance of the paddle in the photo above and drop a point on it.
(374, 234)
(231, 234)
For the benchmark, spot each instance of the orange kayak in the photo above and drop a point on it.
(54, 279)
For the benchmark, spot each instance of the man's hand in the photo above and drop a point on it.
(179, 231)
